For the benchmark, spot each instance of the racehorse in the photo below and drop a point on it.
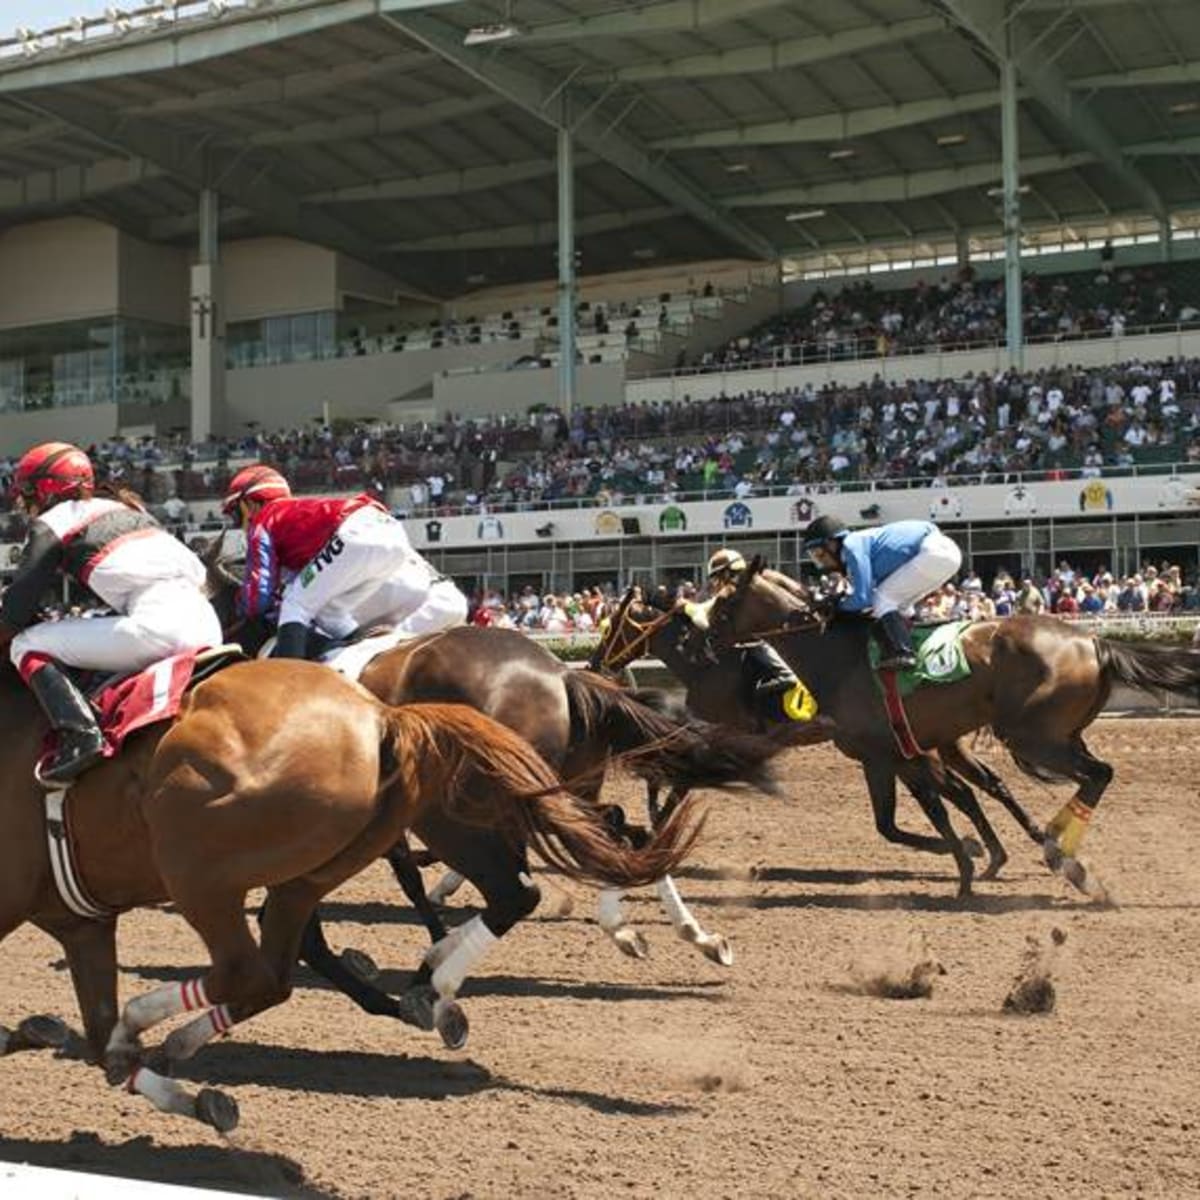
(280, 775)
(716, 689)
(575, 720)
(1036, 682)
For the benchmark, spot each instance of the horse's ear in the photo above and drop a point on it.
(758, 564)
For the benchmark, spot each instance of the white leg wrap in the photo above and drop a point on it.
(685, 924)
(165, 1094)
(445, 887)
(475, 940)
(183, 1043)
(164, 1003)
(609, 912)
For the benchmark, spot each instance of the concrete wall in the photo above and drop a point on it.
(285, 396)
(52, 271)
(153, 282)
(470, 394)
(83, 425)
(268, 277)
(358, 279)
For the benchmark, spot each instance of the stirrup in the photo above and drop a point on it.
(46, 771)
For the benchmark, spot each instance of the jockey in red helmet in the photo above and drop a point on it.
(120, 553)
(340, 563)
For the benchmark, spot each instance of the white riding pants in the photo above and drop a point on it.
(368, 574)
(937, 561)
(167, 618)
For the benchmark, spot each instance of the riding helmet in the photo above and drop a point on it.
(255, 483)
(52, 472)
(822, 530)
(725, 560)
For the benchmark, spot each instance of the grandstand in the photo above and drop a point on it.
(350, 234)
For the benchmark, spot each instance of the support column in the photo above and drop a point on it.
(1164, 239)
(962, 249)
(208, 326)
(566, 270)
(1012, 213)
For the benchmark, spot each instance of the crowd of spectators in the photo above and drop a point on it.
(978, 428)
(962, 311)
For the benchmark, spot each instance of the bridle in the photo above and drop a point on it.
(799, 620)
(611, 657)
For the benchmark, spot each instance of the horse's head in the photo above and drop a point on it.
(752, 607)
(222, 586)
(629, 633)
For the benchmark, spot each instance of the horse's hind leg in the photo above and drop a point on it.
(972, 770)
(408, 876)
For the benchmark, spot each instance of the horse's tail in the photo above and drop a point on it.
(663, 744)
(1177, 669)
(488, 777)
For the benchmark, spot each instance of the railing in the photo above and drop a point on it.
(853, 349)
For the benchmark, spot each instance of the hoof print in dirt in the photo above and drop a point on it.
(1033, 990)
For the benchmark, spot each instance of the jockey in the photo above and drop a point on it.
(343, 563)
(776, 686)
(112, 546)
(889, 568)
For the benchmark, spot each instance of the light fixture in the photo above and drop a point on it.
(951, 139)
(806, 214)
(1023, 188)
(645, 252)
(1184, 107)
(737, 168)
(842, 152)
(473, 279)
(501, 31)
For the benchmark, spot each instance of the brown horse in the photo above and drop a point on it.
(716, 689)
(280, 775)
(1036, 682)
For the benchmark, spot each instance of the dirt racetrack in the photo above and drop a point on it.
(592, 1075)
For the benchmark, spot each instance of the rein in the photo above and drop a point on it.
(615, 661)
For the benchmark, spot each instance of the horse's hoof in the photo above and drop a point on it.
(631, 942)
(993, 869)
(5, 1040)
(1052, 855)
(360, 964)
(451, 1023)
(716, 948)
(973, 848)
(415, 1007)
(1075, 871)
(43, 1033)
(218, 1110)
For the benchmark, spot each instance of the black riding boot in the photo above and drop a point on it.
(895, 642)
(80, 742)
(770, 673)
(291, 641)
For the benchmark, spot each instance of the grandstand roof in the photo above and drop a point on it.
(419, 134)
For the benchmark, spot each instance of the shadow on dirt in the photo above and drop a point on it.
(224, 1167)
(394, 1076)
(902, 901)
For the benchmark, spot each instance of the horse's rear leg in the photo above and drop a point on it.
(316, 952)
(408, 876)
(972, 770)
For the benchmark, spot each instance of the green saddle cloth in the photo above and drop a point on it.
(940, 656)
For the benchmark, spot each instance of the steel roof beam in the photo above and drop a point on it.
(835, 127)
(776, 56)
(188, 43)
(238, 178)
(539, 233)
(543, 96)
(74, 184)
(382, 123)
(441, 183)
(1164, 76)
(675, 16)
(988, 21)
(895, 189)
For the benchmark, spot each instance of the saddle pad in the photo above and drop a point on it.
(143, 699)
(351, 661)
(940, 656)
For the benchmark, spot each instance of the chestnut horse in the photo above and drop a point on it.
(716, 689)
(1036, 682)
(282, 775)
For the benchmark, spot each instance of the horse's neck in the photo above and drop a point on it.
(825, 660)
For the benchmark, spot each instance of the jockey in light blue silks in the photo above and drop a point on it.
(889, 568)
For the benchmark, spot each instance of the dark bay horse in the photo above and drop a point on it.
(716, 689)
(1036, 682)
(280, 775)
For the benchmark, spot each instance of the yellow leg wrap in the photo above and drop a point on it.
(799, 704)
(1069, 825)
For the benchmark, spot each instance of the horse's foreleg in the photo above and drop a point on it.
(960, 795)
(408, 876)
(714, 946)
(925, 789)
(33, 1033)
(610, 916)
(91, 949)
(881, 787)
